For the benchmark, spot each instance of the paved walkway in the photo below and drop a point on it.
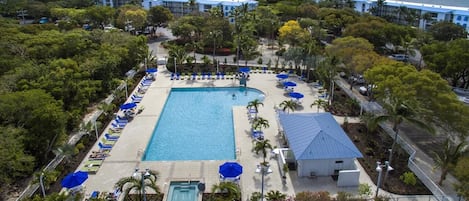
(126, 154)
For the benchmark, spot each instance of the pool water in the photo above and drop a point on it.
(183, 191)
(197, 124)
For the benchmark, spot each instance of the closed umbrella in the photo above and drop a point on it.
(230, 169)
(128, 106)
(75, 179)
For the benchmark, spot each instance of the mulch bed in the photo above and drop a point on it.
(374, 147)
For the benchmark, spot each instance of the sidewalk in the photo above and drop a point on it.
(422, 161)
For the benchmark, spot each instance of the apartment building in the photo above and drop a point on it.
(183, 7)
(420, 13)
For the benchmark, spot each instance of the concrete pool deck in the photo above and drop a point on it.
(126, 154)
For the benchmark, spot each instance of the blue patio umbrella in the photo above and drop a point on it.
(282, 76)
(128, 106)
(152, 70)
(244, 69)
(289, 84)
(75, 179)
(230, 169)
(296, 95)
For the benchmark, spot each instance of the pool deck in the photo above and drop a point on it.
(126, 153)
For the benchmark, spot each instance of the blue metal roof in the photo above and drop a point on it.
(314, 136)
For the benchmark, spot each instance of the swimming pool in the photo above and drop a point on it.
(197, 124)
(182, 191)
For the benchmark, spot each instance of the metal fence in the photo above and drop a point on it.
(438, 194)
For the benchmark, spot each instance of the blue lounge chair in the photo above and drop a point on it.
(136, 99)
(194, 76)
(111, 137)
(104, 147)
(222, 75)
(209, 76)
(117, 125)
(121, 120)
(178, 76)
(264, 69)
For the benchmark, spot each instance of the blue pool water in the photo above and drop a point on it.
(197, 124)
(183, 191)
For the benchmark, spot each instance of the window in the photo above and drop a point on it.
(339, 162)
(464, 26)
(458, 18)
(465, 18)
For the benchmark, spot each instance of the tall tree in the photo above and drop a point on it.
(447, 31)
(448, 156)
(262, 146)
(288, 105)
(320, 103)
(159, 16)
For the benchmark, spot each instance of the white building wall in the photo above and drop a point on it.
(348, 178)
(323, 167)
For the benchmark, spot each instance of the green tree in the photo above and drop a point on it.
(40, 115)
(397, 112)
(461, 171)
(15, 163)
(230, 190)
(159, 15)
(258, 123)
(262, 146)
(288, 105)
(100, 16)
(255, 105)
(135, 184)
(320, 103)
(447, 31)
(275, 196)
(448, 156)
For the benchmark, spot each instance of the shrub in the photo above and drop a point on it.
(259, 61)
(408, 178)
(364, 190)
(313, 196)
(80, 146)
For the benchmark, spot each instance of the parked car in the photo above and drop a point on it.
(43, 20)
(399, 57)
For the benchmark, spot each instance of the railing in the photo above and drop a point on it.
(438, 194)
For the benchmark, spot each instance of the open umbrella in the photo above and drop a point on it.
(128, 106)
(74, 179)
(296, 95)
(230, 169)
(244, 69)
(152, 70)
(282, 76)
(289, 84)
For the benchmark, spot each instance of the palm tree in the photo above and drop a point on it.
(230, 189)
(178, 52)
(275, 196)
(368, 120)
(262, 146)
(259, 123)
(255, 104)
(194, 46)
(397, 112)
(447, 158)
(139, 184)
(320, 103)
(288, 105)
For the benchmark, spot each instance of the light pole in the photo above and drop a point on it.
(379, 169)
(41, 181)
(143, 176)
(175, 70)
(264, 170)
(96, 129)
(213, 34)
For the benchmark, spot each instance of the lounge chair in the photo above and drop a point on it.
(222, 75)
(258, 134)
(118, 125)
(97, 156)
(90, 169)
(93, 163)
(135, 99)
(108, 142)
(104, 147)
(111, 137)
(194, 76)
